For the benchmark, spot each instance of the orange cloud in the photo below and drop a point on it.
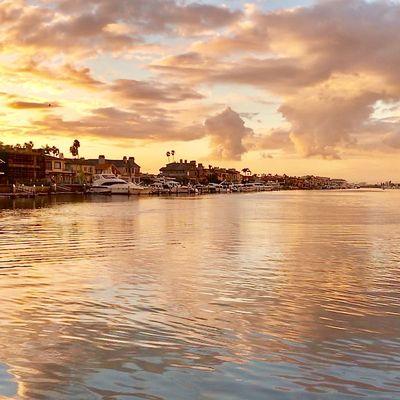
(111, 123)
(147, 91)
(228, 133)
(20, 105)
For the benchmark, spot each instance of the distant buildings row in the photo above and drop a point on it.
(31, 166)
(191, 172)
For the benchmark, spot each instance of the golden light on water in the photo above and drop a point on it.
(149, 286)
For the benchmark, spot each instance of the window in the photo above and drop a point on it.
(49, 165)
(57, 165)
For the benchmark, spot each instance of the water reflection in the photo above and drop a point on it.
(271, 295)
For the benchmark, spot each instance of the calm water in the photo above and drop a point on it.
(285, 295)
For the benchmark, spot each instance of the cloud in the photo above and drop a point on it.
(21, 105)
(109, 123)
(57, 32)
(29, 68)
(71, 27)
(228, 133)
(327, 118)
(9, 96)
(330, 63)
(157, 16)
(276, 139)
(150, 91)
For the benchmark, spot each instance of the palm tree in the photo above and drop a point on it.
(173, 154)
(74, 149)
(168, 154)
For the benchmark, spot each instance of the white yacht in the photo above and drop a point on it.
(171, 186)
(110, 184)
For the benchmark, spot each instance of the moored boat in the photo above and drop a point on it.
(110, 184)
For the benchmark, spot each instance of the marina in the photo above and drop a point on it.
(29, 172)
(109, 184)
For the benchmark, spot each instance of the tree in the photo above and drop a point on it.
(55, 151)
(74, 149)
(6, 146)
(51, 150)
(173, 154)
(246, 171)
(168, 154)
(28, 145)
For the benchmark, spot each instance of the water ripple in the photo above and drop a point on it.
(266, 295)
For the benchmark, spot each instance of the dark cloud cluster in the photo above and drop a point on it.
(96, 26)
(331, 63)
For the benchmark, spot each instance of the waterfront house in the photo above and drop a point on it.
(82, 170)
(57, 171)
(129, 168)
(182, 171)
(22, 166)
(218, 175)
(186, 172)
(229, 175)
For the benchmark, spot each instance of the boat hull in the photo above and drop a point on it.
(99, 190)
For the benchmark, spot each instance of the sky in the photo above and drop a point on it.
(295, 87)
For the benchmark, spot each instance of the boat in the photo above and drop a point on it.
(214, 188)
(170, 186)
(110, 184)
(249, 187)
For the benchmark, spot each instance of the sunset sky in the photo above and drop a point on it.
(296, 87)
